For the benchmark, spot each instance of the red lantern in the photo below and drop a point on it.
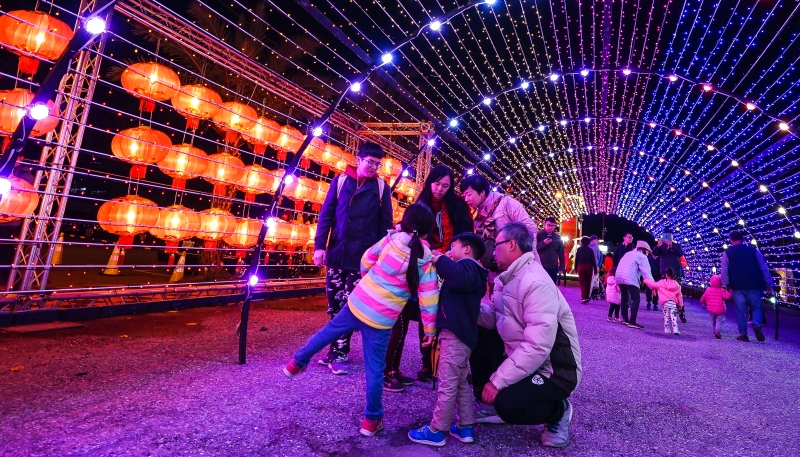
(176, 223)
(196, 102)
(216, 224)
(390, 168)
(245, 235)
(224, 169)
(141, 144)
(235, 117)
(19, 202)
(290, 140)
(257, 180)
(150, 81)
(34, 33)
(182, 162)
(13, 107)
(127, 216)
(264, 131)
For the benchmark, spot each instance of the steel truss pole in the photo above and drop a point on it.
(34, 254)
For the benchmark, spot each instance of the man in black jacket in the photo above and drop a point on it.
(669, 255)
(550, 248)
(356, 214)
(624, 248)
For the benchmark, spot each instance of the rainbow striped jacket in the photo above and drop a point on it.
(380, 296)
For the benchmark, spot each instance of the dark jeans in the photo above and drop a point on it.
(744, 299)
(630, 299)
(613, 309)
(553, 272)
(487, 356)
(338, 286)
(397, 340)
(650, 296)
(533, 400)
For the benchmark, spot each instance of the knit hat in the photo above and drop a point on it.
(643, 245)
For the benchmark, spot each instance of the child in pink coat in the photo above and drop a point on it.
(670, 298)
(713, 300)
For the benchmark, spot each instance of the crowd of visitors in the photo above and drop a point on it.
(482, 282)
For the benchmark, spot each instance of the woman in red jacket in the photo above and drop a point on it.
(452, 217)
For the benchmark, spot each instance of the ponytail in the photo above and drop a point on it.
(417, 219)
(412, 275)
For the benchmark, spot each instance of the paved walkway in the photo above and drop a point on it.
(167, 384)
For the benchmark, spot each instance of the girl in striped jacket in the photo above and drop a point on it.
(397, 268)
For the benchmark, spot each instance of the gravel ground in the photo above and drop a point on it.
(168, 384)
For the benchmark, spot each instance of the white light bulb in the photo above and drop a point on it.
(540, 128)
(436, 26)
(387, 58)
(487, 156)
(763, 188)
(734, 163)
(584, 72)
(95, 25)
(750, 106)
(355, 87)
(619, 119)
(616, 148)
(753, 242)
(253, 280)
(512, 140)
(741, 222)
(405, 173)
(508, 178)
(673, 78)
(709, 147)
(563, 122)
(5, 186)
(783, 126)
(288, 179)
(707, 87)
(38, 111)
(528, 164)
(554, 77)
(570, 149)
(453, 122)
(525, 85)
(626, 71)
(782, 210)
(797, 234)
(587, 120)
(470, 171)
(487, 101)
(317, 131)
(431, 142)
(652, 125)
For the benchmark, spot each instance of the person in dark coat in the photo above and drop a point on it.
(624, 248)
(655, 269)
(551, 249)
(586, 265)
(354, 216)
(452, 218)
(669, 255)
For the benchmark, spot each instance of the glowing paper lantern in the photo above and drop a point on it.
(257, 180)
(176, 223)
(141, 144)
(234, 118)
(224, 169)
(196, 102)
(34, 33)
(13, 104)
(317, 194)
(264, 131)
(216, 224)
(151, 82)
(182, 162)
(19, 202)
(299, 190)
(127, 216)
(390, 168)
(245, 234)
(290, 140)
(407, 187)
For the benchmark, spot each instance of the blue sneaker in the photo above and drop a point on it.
(465, 434)
(427, 436)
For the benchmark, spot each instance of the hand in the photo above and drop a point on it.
(660, 242)
(319, 257)
(489, 393)
(427, 341)
(548, 240)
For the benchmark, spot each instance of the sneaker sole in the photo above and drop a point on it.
(429, 443)
(389, 389)
(338, 372)
(489, 420)
(367, 433)
(465, 440)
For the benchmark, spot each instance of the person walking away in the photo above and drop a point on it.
(624, 248)
(533, 384)
(745, 272)
(586, 264)
(356, 212)
(463, 286)
(398, 267)
(598, 254)
(452, 217)
(551, 249)
(713, 301)
(671, 299)
(633, 265)
(613, 295)
(649, 294)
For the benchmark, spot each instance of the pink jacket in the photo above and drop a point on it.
(714, 297)
(668, 290)
(613, 294)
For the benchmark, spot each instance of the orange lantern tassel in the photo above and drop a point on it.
(148, 106)
(282, 155)
(28, 65)
(138, 171)
(259, 149)
(192, 122)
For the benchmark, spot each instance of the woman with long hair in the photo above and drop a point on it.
(452, 217)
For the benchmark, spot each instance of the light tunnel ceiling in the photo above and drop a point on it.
(670, 113)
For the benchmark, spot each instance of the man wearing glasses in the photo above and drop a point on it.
(356, 213)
